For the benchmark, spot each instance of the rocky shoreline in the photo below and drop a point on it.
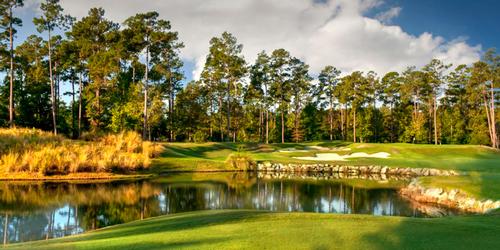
(274, 175)
(454, 198)
(351, 170)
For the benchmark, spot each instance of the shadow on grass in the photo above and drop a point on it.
(176, 222)
(189, 244)
(469, 232)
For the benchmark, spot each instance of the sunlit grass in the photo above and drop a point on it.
(34, 151)
(211, 156)
(244, 229)
(479, 165)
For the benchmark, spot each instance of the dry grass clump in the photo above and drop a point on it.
(19, 139)
(241, 161)
(49, 155)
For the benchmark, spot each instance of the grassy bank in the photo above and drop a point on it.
(480, 165)
(257, 230)
(212, 156)
(34, 154)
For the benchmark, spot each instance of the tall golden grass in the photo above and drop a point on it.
(35, 151)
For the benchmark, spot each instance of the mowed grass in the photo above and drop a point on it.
(243, 229)
(211, 156)
(479, 165)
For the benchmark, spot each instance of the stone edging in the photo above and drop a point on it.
(352, 170)
(453, 198)
(316, 176)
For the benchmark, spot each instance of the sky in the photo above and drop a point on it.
(378, 35)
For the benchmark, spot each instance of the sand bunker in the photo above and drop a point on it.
(319, 148)
(291, 150)
(313, 148)
(337, 157)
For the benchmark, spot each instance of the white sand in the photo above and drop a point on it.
(319, 148)
(291, 150)
(337, 157)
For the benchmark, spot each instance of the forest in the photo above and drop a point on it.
(92, 75)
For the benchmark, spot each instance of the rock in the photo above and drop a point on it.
(363, 169)
(434, 172)
(383, 170)
(342, 169)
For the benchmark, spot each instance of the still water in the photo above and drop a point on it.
(43, 210)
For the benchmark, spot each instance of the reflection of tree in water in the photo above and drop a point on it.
(48, 210)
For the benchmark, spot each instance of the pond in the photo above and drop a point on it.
(42, 210)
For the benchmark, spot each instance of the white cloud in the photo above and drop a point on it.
(388, 15)
(328, 32)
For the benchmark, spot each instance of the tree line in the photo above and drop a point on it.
(129, 77)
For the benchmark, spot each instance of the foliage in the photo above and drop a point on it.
(129, 77)
(241, 161)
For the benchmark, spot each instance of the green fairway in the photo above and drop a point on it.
(479, 165)
(245, 229)
(237, 229)
(211, 156)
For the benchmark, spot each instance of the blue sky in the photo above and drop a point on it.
(352, 40)
(477, 20)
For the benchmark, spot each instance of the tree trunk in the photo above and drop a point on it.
(267, 126)
(331, 119)
(171, 110)
(282, 127)
(342, 111)
(260, 124)
(133, 74)
(210, 119)
(73, 108)
(493, 118)
(80, 104)
(392, 122)
(296, 125)
(435, 121)
(145, 125)
(220, 119)
(488, 115)
(228, 110)
(267, 113)
(354, 124)
(52, 89)
(98, 106)
(11, 73)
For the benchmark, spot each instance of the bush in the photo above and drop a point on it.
(241, 161)
(200, 137)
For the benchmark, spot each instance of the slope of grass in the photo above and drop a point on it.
(211, 156)
(480, 165)
(243, 229)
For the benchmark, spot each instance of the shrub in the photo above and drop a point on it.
(241, 161)
(200, 137)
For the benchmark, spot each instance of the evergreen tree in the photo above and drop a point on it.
(280, 89)
(7, 23)
(51, 19)
(325, 92)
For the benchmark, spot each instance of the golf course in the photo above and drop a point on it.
(257, 124)
(244, 228)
